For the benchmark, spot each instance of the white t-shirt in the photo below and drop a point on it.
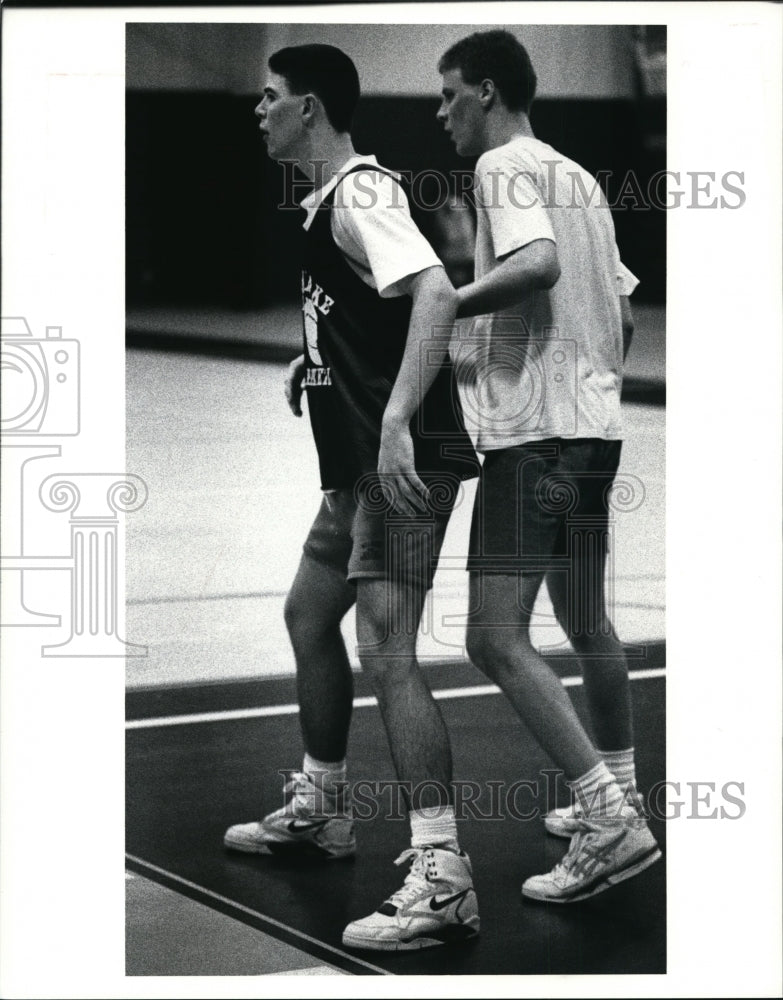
(372, 225)
(550, 366)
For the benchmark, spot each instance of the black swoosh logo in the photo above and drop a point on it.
(439, 904)
(296, 826)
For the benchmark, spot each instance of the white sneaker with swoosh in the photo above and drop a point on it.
(601, 854)
(310, 823)
(436, 905)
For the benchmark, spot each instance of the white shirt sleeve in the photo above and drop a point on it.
(372, 225)
(513, 204)
(627, 282)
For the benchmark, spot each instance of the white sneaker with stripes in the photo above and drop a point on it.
(563, 822)
(601, 854)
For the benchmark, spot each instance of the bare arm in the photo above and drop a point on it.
(533, 266)
(429, 332)
(628, 324)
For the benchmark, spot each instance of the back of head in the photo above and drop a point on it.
(498, 56)
(325, 71)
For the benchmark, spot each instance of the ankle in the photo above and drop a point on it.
(434, 826)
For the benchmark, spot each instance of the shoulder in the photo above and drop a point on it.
(370, 201)
(513, 157)
(370, 187)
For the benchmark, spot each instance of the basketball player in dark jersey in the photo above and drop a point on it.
(378, 311)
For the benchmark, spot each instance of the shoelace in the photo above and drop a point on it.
(308, 799)
(298, 782)
(416, 883)
(303, 793)
(584, 835)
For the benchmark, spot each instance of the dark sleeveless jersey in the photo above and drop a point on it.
(354, 341)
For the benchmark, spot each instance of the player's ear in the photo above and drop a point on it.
(486, 93)
(309, 104)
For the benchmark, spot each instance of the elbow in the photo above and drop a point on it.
(450, 299)
(435, 286)
(445, 296)
(548, 268)
(550, 275)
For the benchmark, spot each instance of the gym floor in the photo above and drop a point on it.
(211, 707)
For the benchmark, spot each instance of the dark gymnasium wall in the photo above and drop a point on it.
(202, 223)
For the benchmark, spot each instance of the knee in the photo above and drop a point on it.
(562, 617)
(478, 646)
(584, 627)
(303, 620)
(293, 613)
(383, 668)
(591, 635)
(561, 605)
(495, 650)
(385, 657)
(600, 647)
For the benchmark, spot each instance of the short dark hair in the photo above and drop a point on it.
(325, 71)
(498, 56)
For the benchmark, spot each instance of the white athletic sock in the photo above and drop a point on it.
(330, 776)
(597, 794)
(434, 826)
(622, 765)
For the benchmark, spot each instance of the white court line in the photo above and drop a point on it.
(253, 913)
(265, 711)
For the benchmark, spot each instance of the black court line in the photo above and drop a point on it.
(288, 935)
(187, 784)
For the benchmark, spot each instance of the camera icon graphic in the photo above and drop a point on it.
(510, 380)
(40, 381)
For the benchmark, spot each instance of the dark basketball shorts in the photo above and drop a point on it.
(356, 533)
(533, 498)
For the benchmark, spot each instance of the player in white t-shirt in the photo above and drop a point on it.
(540, 374)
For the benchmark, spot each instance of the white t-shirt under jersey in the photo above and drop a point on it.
(372, 225)
(550, 366)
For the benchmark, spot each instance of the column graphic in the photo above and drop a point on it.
(41, 402)
(94, 501)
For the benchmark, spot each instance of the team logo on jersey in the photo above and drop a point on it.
(314, 301)
(311, 331)
(317, 376)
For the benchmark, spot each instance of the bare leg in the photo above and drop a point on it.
(583, 617)
(498, 642)
(318, 601)
(388, 616)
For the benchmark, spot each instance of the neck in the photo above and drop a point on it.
(504, 125)
(326, 154)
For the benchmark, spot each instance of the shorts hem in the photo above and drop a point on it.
(324, 562)
(380, 574)
(508, 570)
